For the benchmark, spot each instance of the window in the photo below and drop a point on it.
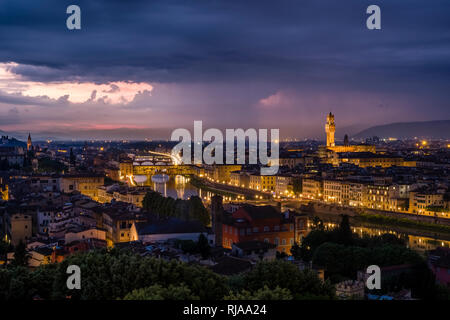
(266, 229)
(266, 240)
(283, 242)
(276, 228)
(291, 241)
(255, 229)
(276, 241)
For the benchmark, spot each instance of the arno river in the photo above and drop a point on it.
(179, 187)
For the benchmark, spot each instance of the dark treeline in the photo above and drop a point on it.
(343, 253)
(119, 273)
(192, 209)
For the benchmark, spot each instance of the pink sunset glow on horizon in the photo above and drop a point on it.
(119, 92)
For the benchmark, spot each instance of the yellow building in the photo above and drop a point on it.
(39, 256)
(262, 182)
(117, 226)
(312, 188)
(333, 191)
(4, 192)
(133, 195)
(364, 160)
(422, 202)
(84, 183)
(344, 192)
(125, 168)
(221, 173)
(235, 178)
(330, 129)
(21, 228)
(378, 197)
(282, 184)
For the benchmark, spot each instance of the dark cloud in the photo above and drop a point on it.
(203, 40)
(217, 59)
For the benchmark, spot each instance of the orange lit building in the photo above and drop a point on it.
(263, 223)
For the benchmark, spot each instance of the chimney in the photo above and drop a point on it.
(217, 215)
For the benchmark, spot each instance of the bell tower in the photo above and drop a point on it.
(330, 129)
(29, 143)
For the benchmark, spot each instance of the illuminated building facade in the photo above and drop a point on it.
(263, 223)
(330, 129)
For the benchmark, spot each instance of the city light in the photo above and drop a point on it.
(106, 194)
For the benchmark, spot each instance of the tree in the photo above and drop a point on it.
(21, 255)
(192, 209)
(203, 246)
(4, 249)
(261, 294)
(112, 274)
(158, 292)
(296, 251)
(188, 246)
(340, 260)
(197, 210)
(344, 232)
(284, 274)
(317, 224)
(311, 242)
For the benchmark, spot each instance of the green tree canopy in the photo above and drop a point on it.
(158, 292)
(21, 255)
(261, 294)
(283, 274)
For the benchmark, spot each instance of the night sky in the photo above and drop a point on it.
(144, 68)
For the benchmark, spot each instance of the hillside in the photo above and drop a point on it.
(439, 129)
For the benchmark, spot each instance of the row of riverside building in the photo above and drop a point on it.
(380, 195)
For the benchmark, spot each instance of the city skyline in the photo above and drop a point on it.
(146, 70)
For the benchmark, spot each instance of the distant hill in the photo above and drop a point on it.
(439, 129)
